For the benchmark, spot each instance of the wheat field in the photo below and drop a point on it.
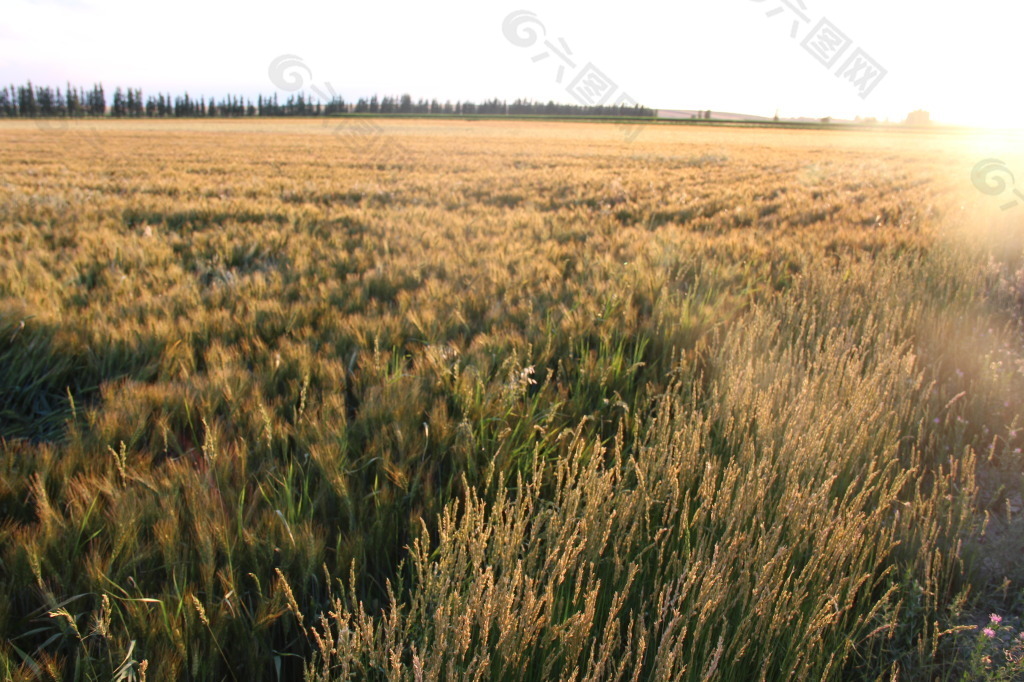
(498, 400)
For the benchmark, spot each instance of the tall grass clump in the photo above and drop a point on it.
(786, 516)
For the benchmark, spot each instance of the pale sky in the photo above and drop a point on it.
(960, 62)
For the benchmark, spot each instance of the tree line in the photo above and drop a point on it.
(28, 101)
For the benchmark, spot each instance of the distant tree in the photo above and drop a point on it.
(60, 107)
(919, 117)
(27, 101)
(45, 100)
(71, 103)
(95, 101)
(336, 106)
(117, 108)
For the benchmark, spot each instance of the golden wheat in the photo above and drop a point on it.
(714, 404)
